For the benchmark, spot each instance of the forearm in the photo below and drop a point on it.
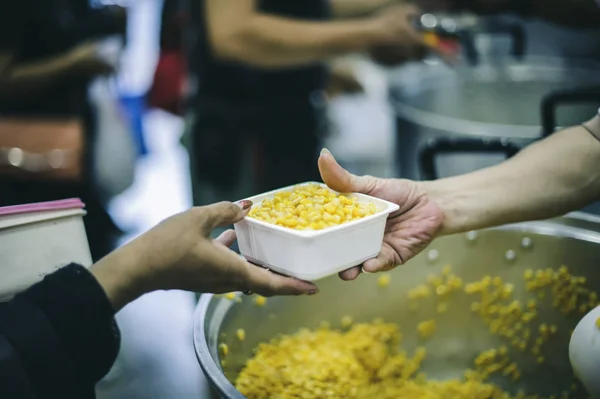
(356, 8)
(272, 42)
(24, 80)
(117, 274)
(547, 179)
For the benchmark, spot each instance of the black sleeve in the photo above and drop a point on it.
(12, 21)
(58, 338)
(97, 23)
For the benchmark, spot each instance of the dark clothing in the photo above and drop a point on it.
(58, 338)
(34, 30)
(284, 153)
(275, 113)
(239, 85)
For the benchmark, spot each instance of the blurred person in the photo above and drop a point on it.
(554, 176)
(49, 53)
(261, 70)
(169, 81)
(59, 337)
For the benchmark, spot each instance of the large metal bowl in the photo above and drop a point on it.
(507, 252)
(494, 99)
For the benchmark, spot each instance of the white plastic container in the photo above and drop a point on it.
(313, 254)
(38, 239)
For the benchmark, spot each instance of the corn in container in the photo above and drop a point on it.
(311, 254)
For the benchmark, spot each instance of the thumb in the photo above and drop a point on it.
(224, 213)
(339, 179)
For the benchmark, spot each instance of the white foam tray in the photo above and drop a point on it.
(313, 254)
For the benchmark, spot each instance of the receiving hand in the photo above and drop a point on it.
(179, 254)
(408, 231)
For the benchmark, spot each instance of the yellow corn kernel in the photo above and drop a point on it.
(241, 334)
(454, 282)
(598, 322)
(224, 349)
(528, 274)
(230, 295)
(346, 321)
(441, 290)
(310, 207)
(260, 300)
(384, 280)
(421, 291)
(426, 329)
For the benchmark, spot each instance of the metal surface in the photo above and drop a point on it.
(499, 99)
(572, 240)
(443, 146)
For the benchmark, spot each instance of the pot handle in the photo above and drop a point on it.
(436, 147)
(514, 30)
(552, 101)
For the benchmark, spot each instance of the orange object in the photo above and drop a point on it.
(431, 39)
(443, 45)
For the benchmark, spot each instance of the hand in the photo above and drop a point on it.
(87, 61)
(343, 80)
(399, 41)
(179, 254)
(408, 231)
(394, 26)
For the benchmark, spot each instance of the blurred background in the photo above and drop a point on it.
(134, 107)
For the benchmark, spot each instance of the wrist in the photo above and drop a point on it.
(449, 200)
(120, 275)
(374, 33)
(593, 126)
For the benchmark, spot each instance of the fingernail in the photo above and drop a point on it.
(325, 151)
(313, 292)
(362, 269)
(245, 204)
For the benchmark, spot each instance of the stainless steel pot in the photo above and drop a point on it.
(493, 99)
(507, 252)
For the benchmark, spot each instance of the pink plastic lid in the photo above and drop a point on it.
(70, 203)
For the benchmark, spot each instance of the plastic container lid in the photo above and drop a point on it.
(17, 215)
